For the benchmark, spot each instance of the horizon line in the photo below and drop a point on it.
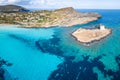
(74, 8)
(36, 8)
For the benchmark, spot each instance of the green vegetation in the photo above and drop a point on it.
(65, 17)
(33, 17)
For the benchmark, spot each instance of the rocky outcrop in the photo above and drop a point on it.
(12, 8)
(88, 36)
(2, 70)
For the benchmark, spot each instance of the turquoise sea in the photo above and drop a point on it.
(53, 54)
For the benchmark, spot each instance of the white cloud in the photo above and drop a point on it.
(43, 2)
(2, 2)
(51, 3)
(40, 4)
(36, 2)
(13, 1)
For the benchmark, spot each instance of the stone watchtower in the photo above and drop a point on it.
(100, 27)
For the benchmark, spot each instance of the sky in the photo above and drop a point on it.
(53, 4)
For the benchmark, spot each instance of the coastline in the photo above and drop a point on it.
(50, 26)
(64, 17)
(10, 25)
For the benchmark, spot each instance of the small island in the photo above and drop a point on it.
(88, 36)
(12, 14)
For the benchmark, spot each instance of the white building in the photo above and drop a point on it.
(102, 27)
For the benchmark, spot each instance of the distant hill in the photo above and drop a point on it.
(12, 8)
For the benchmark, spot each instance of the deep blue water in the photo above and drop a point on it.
(53, 54)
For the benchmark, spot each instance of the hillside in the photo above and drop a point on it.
(12, 8)
(60, 17)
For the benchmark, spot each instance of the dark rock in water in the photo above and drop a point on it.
(76, 70)
(51, 46)
(12, 8)
(1, 74)
(2, 70)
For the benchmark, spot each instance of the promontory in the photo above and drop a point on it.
(45, 18)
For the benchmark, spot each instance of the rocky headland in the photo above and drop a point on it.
(45, 18)
(12, 9)
(88, 36)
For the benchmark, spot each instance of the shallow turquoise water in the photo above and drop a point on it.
(28, 62)
(53, 54)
